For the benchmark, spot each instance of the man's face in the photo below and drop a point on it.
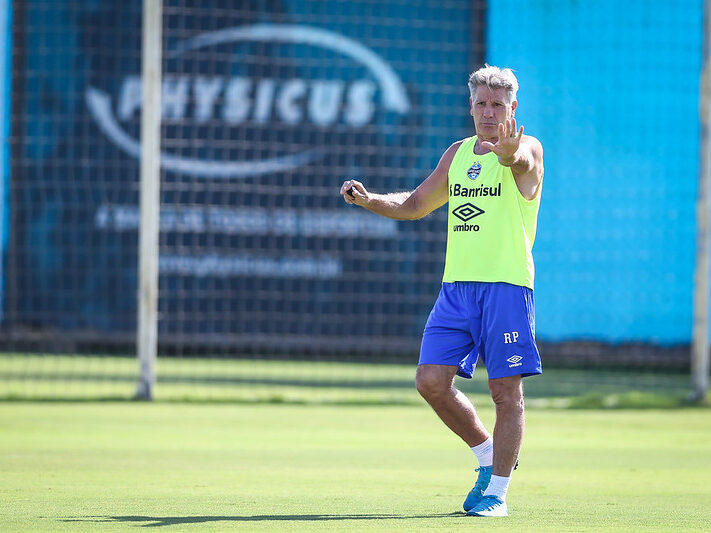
(489, 108)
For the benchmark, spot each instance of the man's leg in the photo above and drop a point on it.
(436, 385)
(507, 394)
(509, 346)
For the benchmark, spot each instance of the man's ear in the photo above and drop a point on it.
(513, 107)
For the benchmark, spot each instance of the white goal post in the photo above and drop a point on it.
(700, 342)
(147, 330)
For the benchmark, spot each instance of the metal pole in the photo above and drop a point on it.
(700, 343)
(147, 335)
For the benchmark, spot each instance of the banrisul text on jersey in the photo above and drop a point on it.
(455, 189)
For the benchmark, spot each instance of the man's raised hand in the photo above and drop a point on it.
(509, 140)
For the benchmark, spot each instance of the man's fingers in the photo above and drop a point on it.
(346, 191)
(350, 184)
(357, 188)
(352, 190)
(520, 133)
(488, 146)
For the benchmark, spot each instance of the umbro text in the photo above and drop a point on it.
(466, 227)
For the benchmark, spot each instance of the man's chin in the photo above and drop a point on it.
(485, 135)
(489, 131)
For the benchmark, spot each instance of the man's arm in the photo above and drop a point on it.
(523, 154)
(429, 195)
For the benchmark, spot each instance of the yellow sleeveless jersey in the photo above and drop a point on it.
(491, 226)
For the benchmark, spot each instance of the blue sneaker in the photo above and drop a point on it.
(478, 491)
(489, 506)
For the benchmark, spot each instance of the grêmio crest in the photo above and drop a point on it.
(474, 170)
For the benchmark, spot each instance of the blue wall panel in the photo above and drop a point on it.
(613, 97)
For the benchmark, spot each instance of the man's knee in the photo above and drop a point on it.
(507, 392)
(432, 381)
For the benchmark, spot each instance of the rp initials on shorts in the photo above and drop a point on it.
(510, 338)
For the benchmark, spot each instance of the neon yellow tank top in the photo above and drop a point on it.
(491, 226)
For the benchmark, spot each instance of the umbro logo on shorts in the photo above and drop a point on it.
(515, 360)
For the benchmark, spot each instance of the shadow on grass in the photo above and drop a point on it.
(632, 400)
(275, 399)
(159, 521)
(555, 383)
(170, 379)
(557, 388)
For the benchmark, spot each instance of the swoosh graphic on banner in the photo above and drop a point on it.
(394, 95)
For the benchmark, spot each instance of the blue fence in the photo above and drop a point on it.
(269, 105)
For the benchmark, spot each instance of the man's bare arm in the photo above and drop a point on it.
(429, 195)
(527, 168)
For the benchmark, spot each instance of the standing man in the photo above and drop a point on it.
(484, 311)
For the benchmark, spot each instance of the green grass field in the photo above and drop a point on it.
(113, 466)
(318, 446)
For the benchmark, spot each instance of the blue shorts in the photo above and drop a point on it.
(494, 322)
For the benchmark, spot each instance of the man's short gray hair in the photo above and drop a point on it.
(494, 78)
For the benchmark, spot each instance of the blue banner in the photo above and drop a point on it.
(266, 109)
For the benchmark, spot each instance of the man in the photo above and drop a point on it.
(484, 311)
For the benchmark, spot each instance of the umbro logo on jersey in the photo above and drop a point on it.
(467, 211)
(515, 360)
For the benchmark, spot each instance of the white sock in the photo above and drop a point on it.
(485, 452)
(498, 486)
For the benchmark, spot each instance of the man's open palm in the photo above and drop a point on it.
(509, 139)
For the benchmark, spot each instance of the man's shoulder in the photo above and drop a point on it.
(456, 144)
(447, 157)
(533, 143)
(460, 142)
(452, 150)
